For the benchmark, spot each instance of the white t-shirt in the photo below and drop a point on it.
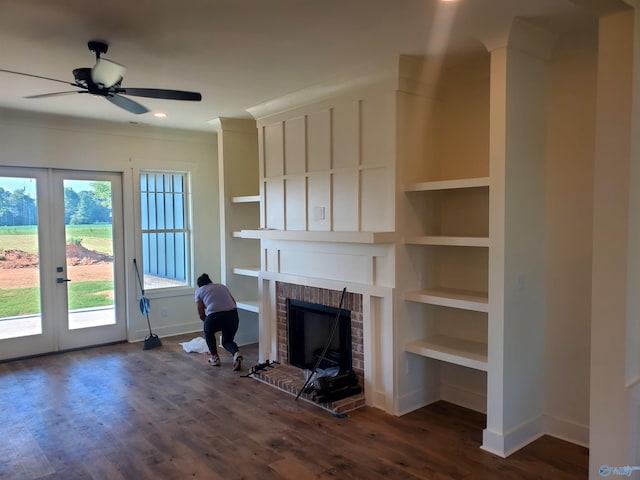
(216, 298)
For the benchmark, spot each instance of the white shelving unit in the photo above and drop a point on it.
(247, 247)
(239, 180)
(251, 304)
(445, 214)
(443, 198)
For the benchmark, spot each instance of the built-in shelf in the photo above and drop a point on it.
(452, 350)
(448, 297)
(307, 236)
(246, 199)
(239, 234)
(453, 241)
(249, 305)
(447, 184)
(247, 271)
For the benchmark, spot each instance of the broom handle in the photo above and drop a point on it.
(135, 264)
(142, 290)
(326, 347)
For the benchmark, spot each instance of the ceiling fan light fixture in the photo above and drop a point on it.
(107, 73)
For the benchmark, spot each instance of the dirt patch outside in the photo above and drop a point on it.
(19, 269)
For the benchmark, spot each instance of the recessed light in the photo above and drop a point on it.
(160, 115)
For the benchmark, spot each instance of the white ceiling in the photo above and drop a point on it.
(240, 53)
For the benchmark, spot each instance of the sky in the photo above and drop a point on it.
(29, 184)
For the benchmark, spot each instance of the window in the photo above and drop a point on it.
(165, 229)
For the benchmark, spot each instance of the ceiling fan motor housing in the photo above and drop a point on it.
(83, 77)
(107, 73)
(98, 47)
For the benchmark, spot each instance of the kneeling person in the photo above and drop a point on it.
(218, 310)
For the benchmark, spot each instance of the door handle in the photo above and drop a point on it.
(62, 280)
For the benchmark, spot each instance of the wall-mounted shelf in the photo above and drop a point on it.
(239, 234)
(246, 199)
(453, 350)
(452, 241)
(247, 271)
(449, 297)
(249, 305)
(447, 184)
(307, 236)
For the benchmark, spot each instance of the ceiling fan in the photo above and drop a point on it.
(105, 79)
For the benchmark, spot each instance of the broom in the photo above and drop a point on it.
(152, 341)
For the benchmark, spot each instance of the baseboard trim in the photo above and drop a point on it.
(505, 445)
(567, 430)
(462, 397)
(413, 401)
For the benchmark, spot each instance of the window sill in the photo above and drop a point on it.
(170, 292)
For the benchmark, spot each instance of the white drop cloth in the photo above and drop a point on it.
(197, 345)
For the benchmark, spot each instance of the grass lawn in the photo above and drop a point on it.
(94, 237)
(25, 238)
(25, 301)
(19, 238)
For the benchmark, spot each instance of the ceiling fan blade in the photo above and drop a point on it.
(37, 76)
(56, 94)
(127, 104)
(161, 93)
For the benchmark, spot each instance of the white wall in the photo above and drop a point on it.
(329, 166)
(30, 140)
(633, 265)
(569, 211)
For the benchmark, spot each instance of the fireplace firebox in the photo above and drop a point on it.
(310, 326)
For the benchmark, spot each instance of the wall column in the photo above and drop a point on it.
(610, 408)
(517, 255)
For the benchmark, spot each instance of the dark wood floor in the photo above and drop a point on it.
(119, 412)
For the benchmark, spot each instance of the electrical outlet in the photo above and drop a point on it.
(164, 312)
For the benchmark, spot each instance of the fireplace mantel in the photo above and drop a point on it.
(373, 238)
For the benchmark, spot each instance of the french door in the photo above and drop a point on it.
(61, 260)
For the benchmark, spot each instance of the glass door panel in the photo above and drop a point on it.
(20, 304)
(89, 274)
(89, 253)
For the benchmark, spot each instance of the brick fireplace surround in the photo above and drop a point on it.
(289, 378)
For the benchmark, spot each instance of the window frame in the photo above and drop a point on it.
(187, 230)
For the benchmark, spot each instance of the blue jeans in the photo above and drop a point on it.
(225, 322)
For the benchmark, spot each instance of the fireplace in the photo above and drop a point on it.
(286, 293)
(314, 327)
(290, 374)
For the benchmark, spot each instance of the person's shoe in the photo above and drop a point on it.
(237, 361)
(214, 360)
